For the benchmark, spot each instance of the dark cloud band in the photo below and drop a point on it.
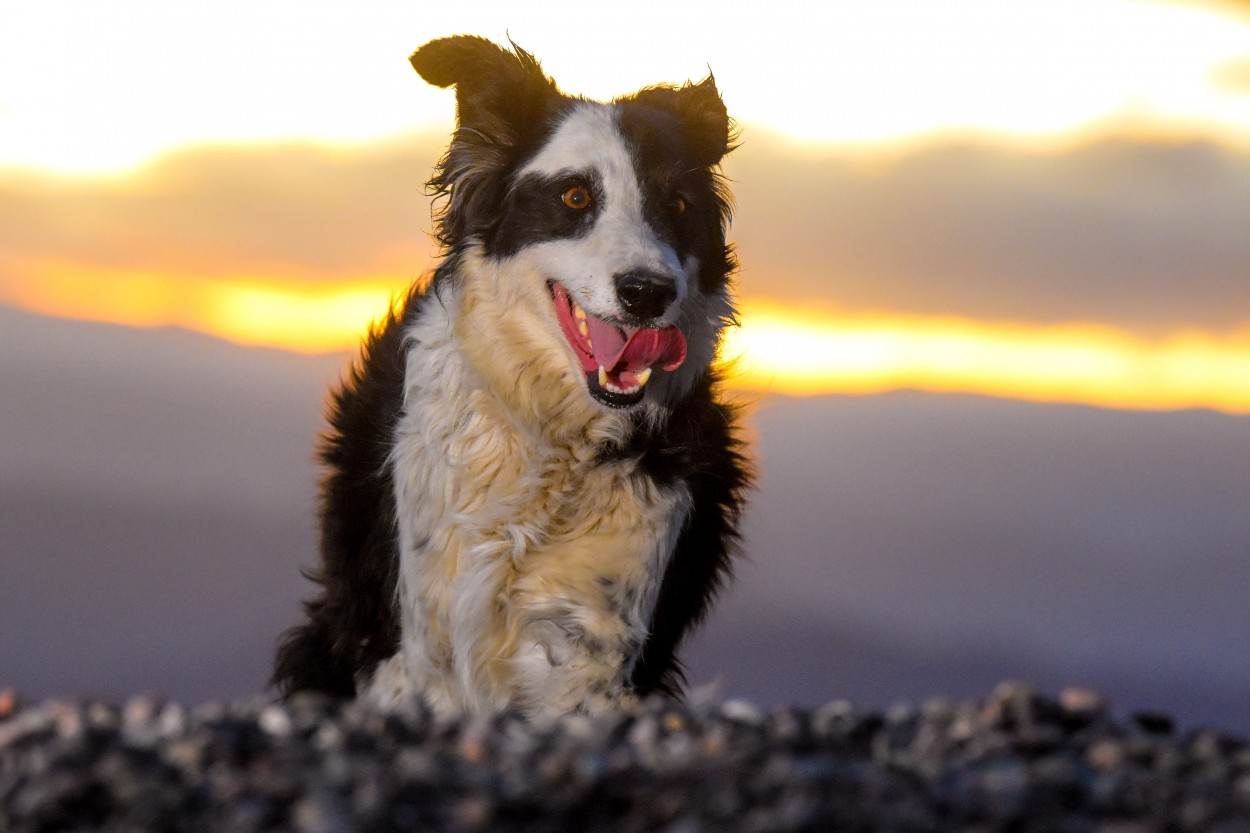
(1146, 236)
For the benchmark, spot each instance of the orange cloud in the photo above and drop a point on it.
(1115, 271)
(1147, 237)
(1144, 236)
(290, 209)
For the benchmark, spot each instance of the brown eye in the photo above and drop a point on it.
(576, 198)
(679, 205)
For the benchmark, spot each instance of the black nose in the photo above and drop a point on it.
(645, 294)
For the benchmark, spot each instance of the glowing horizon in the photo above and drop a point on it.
(815, 354)
(777, 349)
(245, 310)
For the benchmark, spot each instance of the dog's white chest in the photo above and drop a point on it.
(528, 567)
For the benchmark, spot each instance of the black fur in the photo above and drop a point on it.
(353, 623)
(532, 212)
(698, 445)
(678, 136)
(506, 107)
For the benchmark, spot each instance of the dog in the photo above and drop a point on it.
(532, 483)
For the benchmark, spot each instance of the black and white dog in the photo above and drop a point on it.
(532, 490)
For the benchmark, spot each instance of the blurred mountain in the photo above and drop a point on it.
(940, 543)
(157, 493)
(156, 504)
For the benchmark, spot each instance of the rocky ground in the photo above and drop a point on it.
(1016, 761)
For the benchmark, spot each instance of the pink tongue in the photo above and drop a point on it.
(619, 350)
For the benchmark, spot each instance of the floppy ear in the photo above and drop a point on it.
(496, 90)
(704, 122)
(500, 97)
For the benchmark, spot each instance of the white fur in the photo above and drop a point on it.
(507, 526)
(589, 139)
(530, 567)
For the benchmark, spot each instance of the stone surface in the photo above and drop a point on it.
(1016, 760)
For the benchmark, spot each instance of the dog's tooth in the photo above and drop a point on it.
(642, 376)
(603, 376)
(583, 326)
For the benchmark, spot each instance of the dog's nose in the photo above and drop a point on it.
(645, 295)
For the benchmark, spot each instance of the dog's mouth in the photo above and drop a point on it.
(618, 360)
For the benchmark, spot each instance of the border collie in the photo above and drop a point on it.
(531, 487)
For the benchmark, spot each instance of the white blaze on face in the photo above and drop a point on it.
(589, 140)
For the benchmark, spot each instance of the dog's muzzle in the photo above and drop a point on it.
(618, 359)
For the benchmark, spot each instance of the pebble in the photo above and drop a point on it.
(8, 702)
(742, 711)
(1016, 759)
(274, 720)
(1082, 701)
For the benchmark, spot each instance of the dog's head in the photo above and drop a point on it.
(614, 212)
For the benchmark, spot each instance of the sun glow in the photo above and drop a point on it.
(104, 87)
(775, 349)
(306, 319)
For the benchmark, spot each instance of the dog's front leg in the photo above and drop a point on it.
(575, 660)
(579, 608)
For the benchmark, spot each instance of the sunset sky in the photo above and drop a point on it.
(1045, 201)
(1045, 205)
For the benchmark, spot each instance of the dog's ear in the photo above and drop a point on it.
(704, 121)
(500, 97)
(495, 89)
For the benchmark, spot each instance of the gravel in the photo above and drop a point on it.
(1017, 760)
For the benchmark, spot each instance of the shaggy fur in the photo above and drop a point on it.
(513, 514)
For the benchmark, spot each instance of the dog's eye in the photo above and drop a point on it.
(576, 198)
(679, 204)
